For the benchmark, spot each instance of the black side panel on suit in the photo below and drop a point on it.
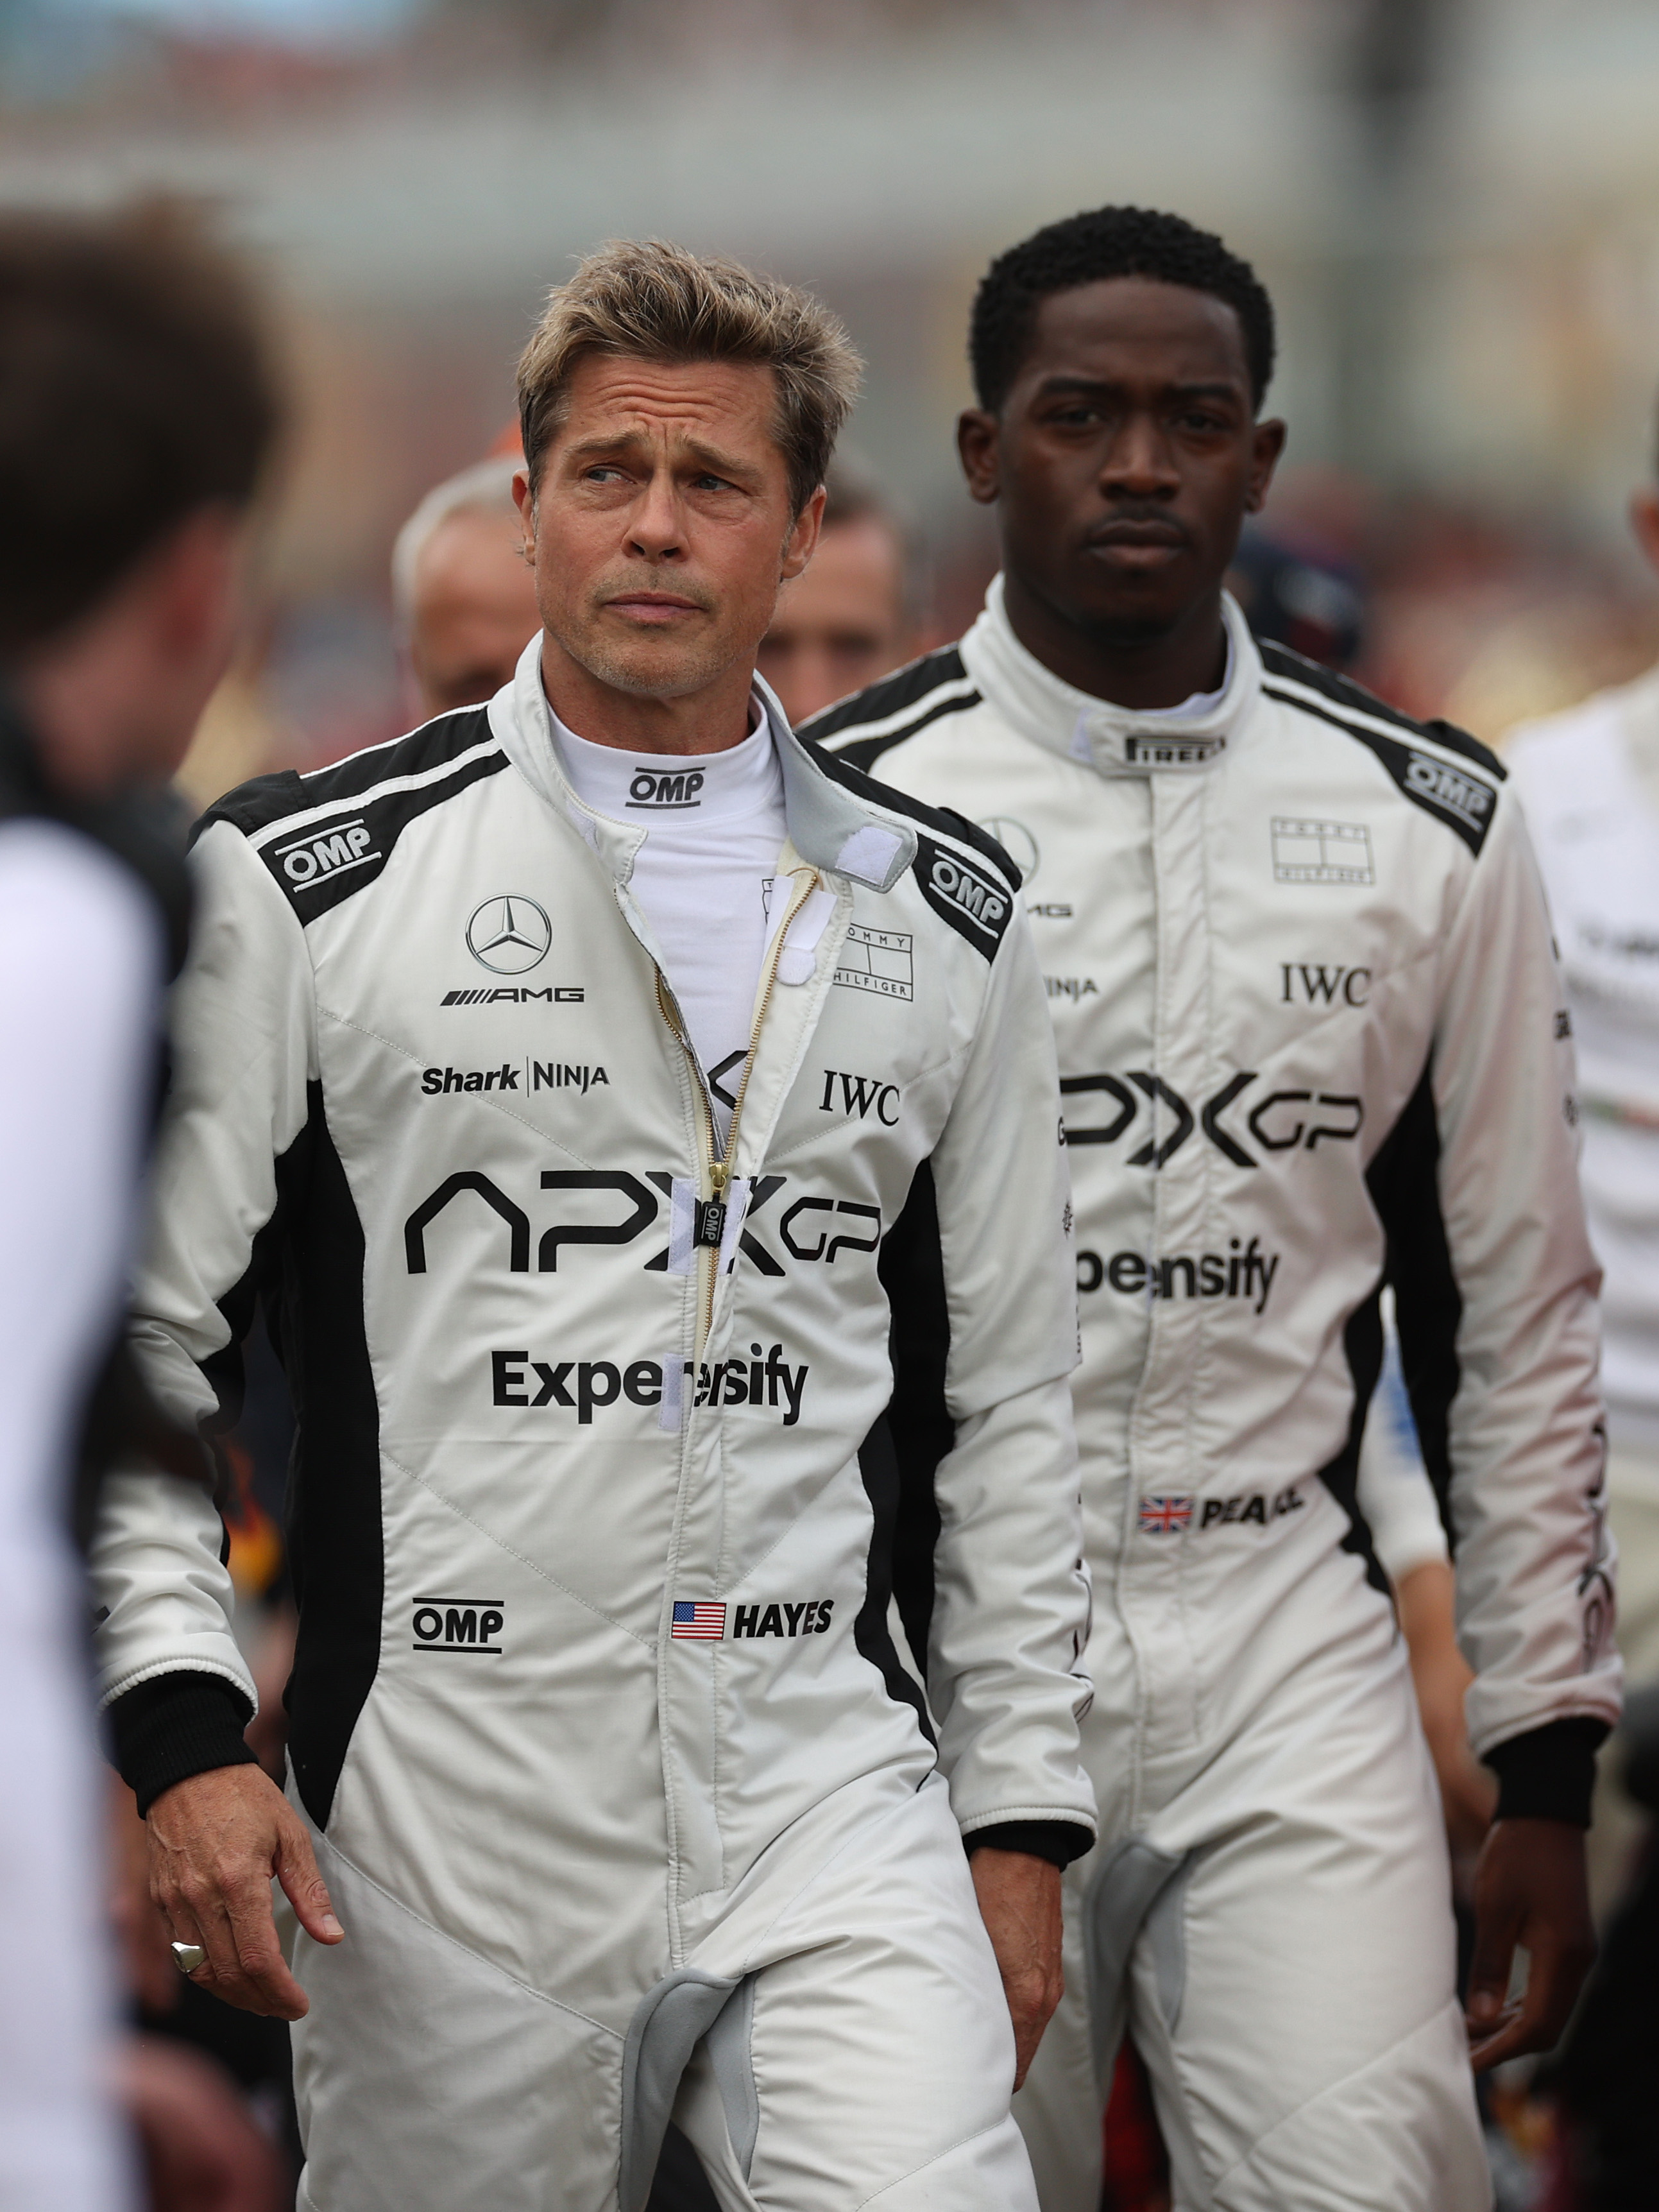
(1405, 1186)
(919, 1431)
(336, 1543)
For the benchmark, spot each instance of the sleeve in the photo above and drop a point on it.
(245, 1048)
(1394, 1493)
(1496, 1292)
(1009, 1591)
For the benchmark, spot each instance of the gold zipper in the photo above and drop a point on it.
(719, 1170)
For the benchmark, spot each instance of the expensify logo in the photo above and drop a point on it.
(585, 1387)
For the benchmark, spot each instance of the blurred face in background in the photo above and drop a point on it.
(474, 609)
(841, 624)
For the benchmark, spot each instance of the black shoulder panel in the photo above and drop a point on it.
(328, 856)
(1342, 691)
(974, 901)
(913, 694)
(1464, 802)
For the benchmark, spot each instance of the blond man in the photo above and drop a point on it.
(593, 1083)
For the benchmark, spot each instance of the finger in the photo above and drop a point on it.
(259, 1955)
(1555, 1974)
(1495, 1933)
(304, 1886)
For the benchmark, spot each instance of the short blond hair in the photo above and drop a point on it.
(658, 303)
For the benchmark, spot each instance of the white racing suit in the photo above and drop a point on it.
(1311, 1038)
(625, 1799)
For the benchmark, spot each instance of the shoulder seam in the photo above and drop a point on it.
(1341, 692)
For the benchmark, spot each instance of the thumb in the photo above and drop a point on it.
(304, 1886)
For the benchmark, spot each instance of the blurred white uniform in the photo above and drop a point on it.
(80, 979)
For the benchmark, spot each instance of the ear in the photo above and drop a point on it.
(980, 446)
(1267, 445)
(1645, 521)
(524, 500)
(802, 541)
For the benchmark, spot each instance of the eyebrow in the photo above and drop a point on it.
(721, 464)
(1052, 387)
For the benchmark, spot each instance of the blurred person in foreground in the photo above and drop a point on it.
(847, 618)
(136, 411)
(1310, 1044)
(577, 1079)
(463, 595)
(1589, 781)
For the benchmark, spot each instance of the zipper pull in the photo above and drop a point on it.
(720, 1175)
(709, 1222)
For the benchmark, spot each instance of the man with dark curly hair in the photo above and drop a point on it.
(1311, 1043)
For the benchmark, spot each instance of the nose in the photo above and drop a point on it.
(656, 531)
(1140, 462)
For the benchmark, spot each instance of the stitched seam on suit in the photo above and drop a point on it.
(649, 1643)
(899, 2180)
(454, 1941)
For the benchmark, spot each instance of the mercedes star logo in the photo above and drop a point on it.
(509, 934)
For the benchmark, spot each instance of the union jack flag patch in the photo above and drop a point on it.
(1162, 1517)
(698, 1623)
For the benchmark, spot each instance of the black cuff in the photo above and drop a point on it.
(1059, 1842)
(177, 1725)
(1547, 1774)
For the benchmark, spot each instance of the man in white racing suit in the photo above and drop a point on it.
(612, 1798)
(1310, 1042)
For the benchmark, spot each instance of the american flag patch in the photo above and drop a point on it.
(1162, 1517)
(701, 1622)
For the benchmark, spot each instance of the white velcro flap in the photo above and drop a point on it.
(682, 1224)
(798, 959)
(869, 854)
(737, 1207)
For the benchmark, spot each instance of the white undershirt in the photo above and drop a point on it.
(714, 829)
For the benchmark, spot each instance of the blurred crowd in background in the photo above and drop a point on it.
(1454, 203)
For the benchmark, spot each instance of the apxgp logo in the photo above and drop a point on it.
(1283, 1121)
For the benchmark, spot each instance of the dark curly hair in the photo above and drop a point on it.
(1085, 249)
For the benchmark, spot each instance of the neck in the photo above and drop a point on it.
(711, 721)
(1159, 669)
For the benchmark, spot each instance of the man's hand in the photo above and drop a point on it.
(214, 1843)
(1019, 1903)
(1529, 1889)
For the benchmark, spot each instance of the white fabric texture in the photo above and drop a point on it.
(80, 971)
(1587, 779)
(714, 826)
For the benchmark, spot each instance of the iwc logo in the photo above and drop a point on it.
(509, 935)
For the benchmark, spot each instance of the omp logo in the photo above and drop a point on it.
(1460, 796)
(458, 1624)
(652, 788)
(878, 960)
(984, 904)
(1142, 749)
(1315, 852)
(509, 934)
(1284, 1119)
(327, 851)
